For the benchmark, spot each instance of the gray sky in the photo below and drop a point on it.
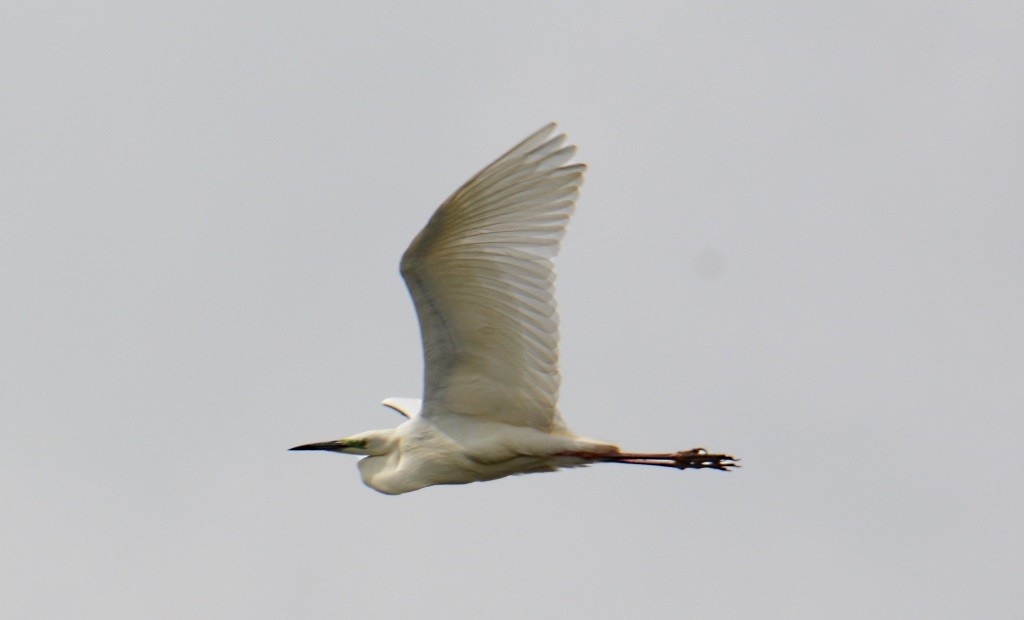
(799, 242)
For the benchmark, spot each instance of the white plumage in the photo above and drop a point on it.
(482, 281)
(481, 278)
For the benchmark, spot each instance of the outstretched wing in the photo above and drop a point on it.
(481, 277)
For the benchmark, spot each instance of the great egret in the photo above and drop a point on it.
(481, 278)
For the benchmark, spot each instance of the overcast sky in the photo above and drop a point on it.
(799, 242)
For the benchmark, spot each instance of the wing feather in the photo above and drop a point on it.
(482, 281)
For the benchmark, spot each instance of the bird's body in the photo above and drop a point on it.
(481, 278)
(457, 450)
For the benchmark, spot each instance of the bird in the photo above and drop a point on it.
(481, 279)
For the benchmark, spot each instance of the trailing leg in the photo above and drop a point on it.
(698, 458)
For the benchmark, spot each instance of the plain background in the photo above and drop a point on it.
(800, 241)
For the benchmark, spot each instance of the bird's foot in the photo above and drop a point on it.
(699, 458)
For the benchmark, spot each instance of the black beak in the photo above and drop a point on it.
(330, 446)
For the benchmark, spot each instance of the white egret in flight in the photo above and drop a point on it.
(481, 278)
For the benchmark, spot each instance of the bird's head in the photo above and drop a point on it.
(370, 443)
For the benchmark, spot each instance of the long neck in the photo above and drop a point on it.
(378, 472)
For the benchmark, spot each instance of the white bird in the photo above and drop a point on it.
(482, 281)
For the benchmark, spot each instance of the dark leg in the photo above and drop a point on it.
(698, 458)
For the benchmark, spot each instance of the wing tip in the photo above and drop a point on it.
(408, 407)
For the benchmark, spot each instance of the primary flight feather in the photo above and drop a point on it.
(481, 278)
